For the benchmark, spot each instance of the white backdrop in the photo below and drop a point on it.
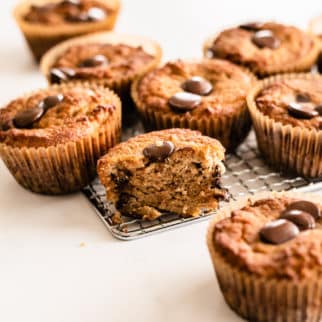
(45, 275)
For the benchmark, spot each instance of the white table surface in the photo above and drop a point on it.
(45, 273)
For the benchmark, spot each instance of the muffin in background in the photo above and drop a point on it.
(204, 95)
(265, 48)
(51, 139)
(266, 251)
(315, 27)
(174, 170)
(287, 116)
(45, 23)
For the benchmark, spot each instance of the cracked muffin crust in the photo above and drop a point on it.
(51, 139)
(175, 170)
(206, 95)
(287, 115)
(266, 48)
(45, 23)
(252, 270)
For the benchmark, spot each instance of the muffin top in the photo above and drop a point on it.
(278, 237)
(68, 12)
(159, 145)
(208, 88)
(57, 115)
(266, 48)
(99, 61)
(294, 101)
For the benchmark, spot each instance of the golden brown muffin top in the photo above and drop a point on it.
(131, 155)
(57, 115)
(241, 239)
(68, 12)
(221, 91)
(296, 101)
(101, 61)
(265, 48)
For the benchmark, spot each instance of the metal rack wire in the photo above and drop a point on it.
(246, 174)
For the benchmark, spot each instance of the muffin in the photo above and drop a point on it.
(287, 117)
(267, 255)
(315, 27)
(110, 59)
(175, 170)
(204, 95)
(50, 140)
(45, 23)
(265, 48)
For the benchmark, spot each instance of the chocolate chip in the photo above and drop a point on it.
(319, 109)
(25, 118)
(94, 61)
(278, 231)
(159, 151)
(77, 18)
(303, 98)
(183, 101)
(301, 111)
(197, 85)
(251, 26)
(300, 218)
(75, 3)
(43, 8)
(58, 75)
(319, 63)
(306, 206)
(51, 101)
(265, 39)
(96, 14)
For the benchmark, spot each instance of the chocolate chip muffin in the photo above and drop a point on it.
(265, 48)
(110, 59)
(267, 255)
(175, 170)
(45, 23)
(206, 95)
(287, 117)
(50, 140)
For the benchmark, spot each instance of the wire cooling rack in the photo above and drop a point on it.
(246, 174)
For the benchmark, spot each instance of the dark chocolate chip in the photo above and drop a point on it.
(265, 39)
(25, 118)
(301, 111)
(43, 8)
(251, 26)
(159, 151)
(184, 101)
(51, 101)
(319, 109)
(74, 3)
(303, 98)
(300, 218)
(96, 14)
(319, 63)
(306, 206)
(77, 18)
(197, 85)
(278, 231)
(59, 75)
(95, 61)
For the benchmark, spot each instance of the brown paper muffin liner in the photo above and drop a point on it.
(230, 130)
(63, 168)
(262, 299)
(41, 38)
(303, 65)
(287, 148)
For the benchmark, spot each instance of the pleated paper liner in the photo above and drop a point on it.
(41, 37)
(230, 130)
(63, 168)
(260, 299)
(121, 85)
(290, 149)
(302, 65)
